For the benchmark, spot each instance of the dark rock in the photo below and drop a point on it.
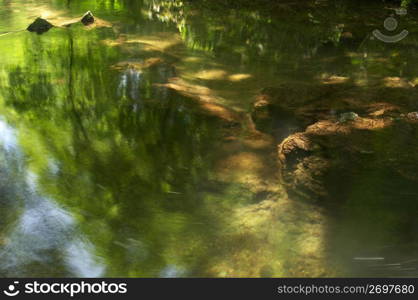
(88, 18)
(40, 26)
(331, 99)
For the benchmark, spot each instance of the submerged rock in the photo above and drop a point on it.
(40, 26)
(88, 18)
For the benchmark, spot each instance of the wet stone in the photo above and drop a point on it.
(40, 26)
(87, 19)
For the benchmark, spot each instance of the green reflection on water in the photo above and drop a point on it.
(148, 182)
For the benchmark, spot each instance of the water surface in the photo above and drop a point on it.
(118, 156)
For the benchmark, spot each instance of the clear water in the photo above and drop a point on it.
(118, 157)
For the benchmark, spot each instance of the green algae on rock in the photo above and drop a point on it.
(40, 26)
